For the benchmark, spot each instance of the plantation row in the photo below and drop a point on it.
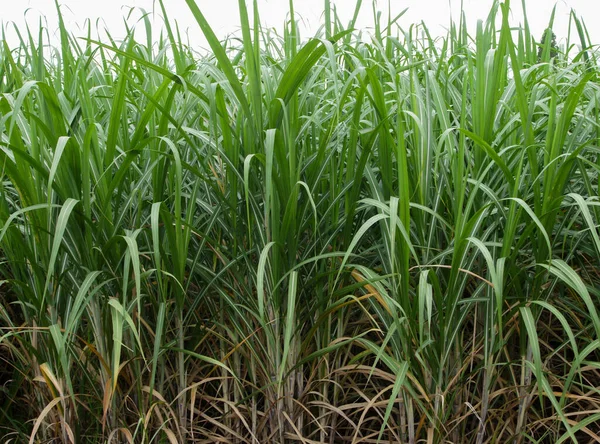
(357, 238)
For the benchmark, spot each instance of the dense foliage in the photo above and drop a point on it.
(357, 238)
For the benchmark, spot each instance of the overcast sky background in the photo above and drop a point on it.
(223, 14)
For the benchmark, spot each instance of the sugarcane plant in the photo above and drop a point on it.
(380, 236)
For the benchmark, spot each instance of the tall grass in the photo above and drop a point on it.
(353, 238)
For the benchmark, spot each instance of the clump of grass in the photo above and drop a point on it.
(345, 239)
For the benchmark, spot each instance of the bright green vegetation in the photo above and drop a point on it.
(350, 239)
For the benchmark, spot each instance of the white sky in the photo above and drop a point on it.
(223, 14)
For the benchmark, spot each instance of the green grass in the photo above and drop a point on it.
(350, 238)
